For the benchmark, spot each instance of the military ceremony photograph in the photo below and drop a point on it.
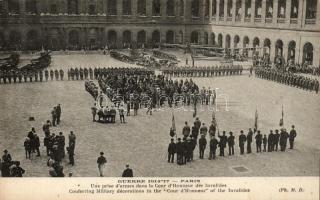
(159, 88)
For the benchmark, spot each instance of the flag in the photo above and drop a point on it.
(281, 120)
(256, 120)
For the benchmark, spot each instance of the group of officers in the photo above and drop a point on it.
(288, 78)
(184, 148)
(19, 75)
(203, 71)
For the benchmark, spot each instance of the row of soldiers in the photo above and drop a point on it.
(185, 148)
(15, 76)
(203, 71)
(288, 78)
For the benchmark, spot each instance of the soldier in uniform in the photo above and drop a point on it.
(242, 140)
(76, 72)
(9, 76)
(14, 76)
(265, 141)
(36, 75)
(20, 76)
(258, 141)
(270, 141)
(283, 139)
(51, 74)
(41, 75)
(202, 146)
(292, 136)
(179, 152)
(56, 74)
(25, 76)
(30, 74)
(46, 74)
(72, 74)
(231, 144)
(223, 142)
(213, 147)
(85, 71)
(249, 140)
(276, 140)
(171, 151)
(81, 73)
(91, 73)
(61, 74)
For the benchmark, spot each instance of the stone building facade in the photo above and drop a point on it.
(290, 28)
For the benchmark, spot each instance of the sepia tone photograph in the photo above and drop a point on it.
(159, 88)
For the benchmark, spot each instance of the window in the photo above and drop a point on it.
(53, 9)
(31, 6)
(13, 6)
(112, 7)
(72, 6)
(311, 11)
(195, 8)
(142, 7)
(92, 9)
(181, 8)
(156, 8)
(126, 6)
(170, 8)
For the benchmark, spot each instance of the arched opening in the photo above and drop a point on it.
(213, 39)
(155, 39)
(279, 48)
(142, 7)
(74, 40)
(207, 8)
(181, 10)
(31, 6)
(236, 41)
(72, 7)
(292, 50)
(195, 7)
(2, 42)
(181, 39)
(170, 37)
(206, 38)
(126, 7)
(53, 42)
(156, 8)
(221, 8)
(267, 46)
(92, 36)
(112, 7)
(228, 39)
(126, 39)
(256, 45)
(282, 8)
(170, 8)
(311, 9)
(141, 40)
(194, 37)
(214, 8)
(269, 8)
(220, 40)
(245, 45)
(15, 40)
(257, 9)
(112, 39)
(13, 6)
(92, 9)
(32, 40)
(308, 53)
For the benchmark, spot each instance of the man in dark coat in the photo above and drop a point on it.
(58, 112)
(6, 163)
(265, 141)
(202, 146)
(292, 135)
(283, 139)
(179, 152)
(223, 142)
(258, 141)
(270, 141)
(276, 138)
(127, 172)
(186, 130)
(70, 150)
(213, 147)
(16, 170)
(242, 140)
(171, 151)
(37, 144)
(249, 141)
(231, 144)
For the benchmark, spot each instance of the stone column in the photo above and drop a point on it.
(275, 12)
(210, 10)
(119, 9)
(285, 49)
(288, 11)
(243, 10)
(163, 9)
(234, 10)
(218, 10)
(253, 10)
(148, 8)
(263, 11)
(225, 8)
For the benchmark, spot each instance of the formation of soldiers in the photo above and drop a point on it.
(203, 71)
(19, 76)
(288, 78)
(184, 148)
